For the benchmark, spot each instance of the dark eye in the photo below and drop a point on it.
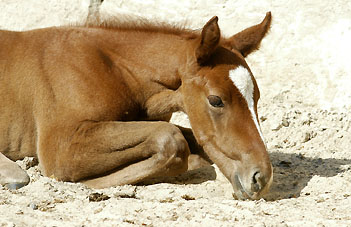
(215, 101)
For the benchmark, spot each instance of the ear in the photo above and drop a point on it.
(249, 39)
(210, 37)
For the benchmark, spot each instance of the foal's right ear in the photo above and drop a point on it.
(210, 37)
(249, 39)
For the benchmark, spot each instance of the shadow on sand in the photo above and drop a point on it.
(196, 176)
(292, 172)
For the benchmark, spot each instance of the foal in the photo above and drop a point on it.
(92, 103)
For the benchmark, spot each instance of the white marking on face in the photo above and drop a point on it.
(241, 78)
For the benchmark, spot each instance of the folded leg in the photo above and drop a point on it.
(104, 154)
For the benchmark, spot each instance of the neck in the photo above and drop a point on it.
(152, 64)
(154, 57)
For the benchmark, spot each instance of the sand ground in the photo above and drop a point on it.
(304, 73)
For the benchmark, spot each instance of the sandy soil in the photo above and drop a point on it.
(303, 70)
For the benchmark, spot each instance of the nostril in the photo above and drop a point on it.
(256, 182)
(256, 176)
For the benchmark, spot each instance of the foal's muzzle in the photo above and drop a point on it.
(253, 187)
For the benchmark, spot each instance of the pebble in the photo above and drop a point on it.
(285, 122)
(33, 206)
(98, 197)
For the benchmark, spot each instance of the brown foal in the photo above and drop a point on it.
(92, 103)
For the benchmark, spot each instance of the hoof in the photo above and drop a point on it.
(12, 176)
(14, 186)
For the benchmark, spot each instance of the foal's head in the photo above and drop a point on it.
(220, 98)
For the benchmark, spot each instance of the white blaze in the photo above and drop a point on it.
(242, 80)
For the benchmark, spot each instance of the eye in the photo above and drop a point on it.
(215, 101)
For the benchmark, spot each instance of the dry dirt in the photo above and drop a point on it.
(304, 73)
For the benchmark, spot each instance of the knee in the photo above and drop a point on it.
(172, 147)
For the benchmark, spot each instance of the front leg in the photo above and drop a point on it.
(105, 154)
(163, 104)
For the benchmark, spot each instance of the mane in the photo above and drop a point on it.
(139, 24)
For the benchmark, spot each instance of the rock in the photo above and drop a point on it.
(98, 197)
(285, 122)
(33, 206)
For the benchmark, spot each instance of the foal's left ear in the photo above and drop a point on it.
(249, 39)
(210, 36)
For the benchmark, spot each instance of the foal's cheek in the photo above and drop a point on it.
(201, 125)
